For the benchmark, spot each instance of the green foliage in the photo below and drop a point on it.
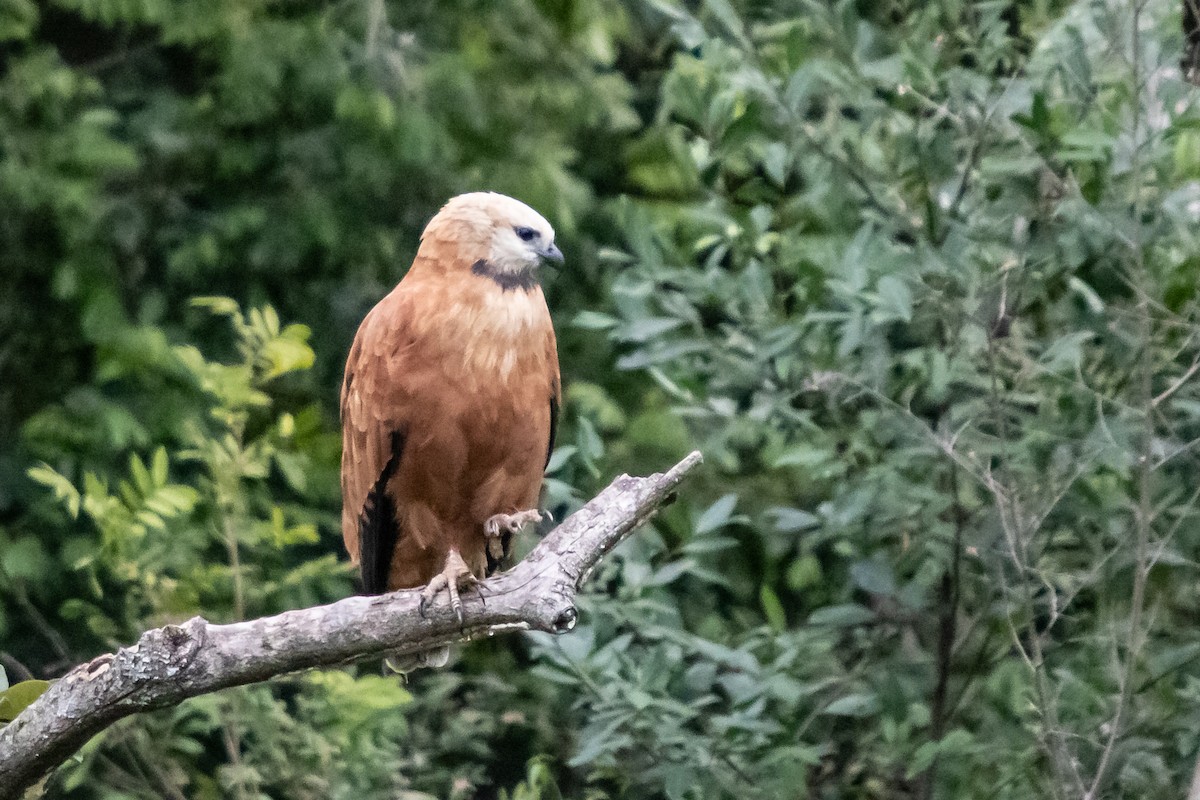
(15, 698)
(143, 503)
(538, 785)
(919, 278)
(922, 298)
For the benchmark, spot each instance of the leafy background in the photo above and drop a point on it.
(918, 278)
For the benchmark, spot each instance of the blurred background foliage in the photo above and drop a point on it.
(918, 278)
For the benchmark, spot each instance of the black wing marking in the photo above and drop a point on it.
(378, 530)
(553, 429)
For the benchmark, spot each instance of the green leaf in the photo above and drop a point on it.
(802, 455)
(853, 705)
(895, 299)
(716, 515)
(873, 576)
(1010, 165)
(25, 558)
(804, 572)
(709, 544)
(159, 467)
(792, 520)
(224, 306)
(18, 697)
(1089, 295)
(141, 479)
(559, 458)
(286, 355)
(293, 468)
(18, 19)
(956, 742)
(772, 608)
(64, 491)
(594, 321)
(679, 782)
(670, 572)
(644, 330)
(1066, 352)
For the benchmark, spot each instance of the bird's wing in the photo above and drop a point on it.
(374, 427)
(555, 389)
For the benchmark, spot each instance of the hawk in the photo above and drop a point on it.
(449, 403)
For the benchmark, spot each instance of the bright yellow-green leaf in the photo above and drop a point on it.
(19, 696)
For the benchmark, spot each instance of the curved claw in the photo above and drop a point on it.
(512, 523)
(450, 578)
(499, 524)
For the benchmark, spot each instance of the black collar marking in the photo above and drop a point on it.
(523, 280)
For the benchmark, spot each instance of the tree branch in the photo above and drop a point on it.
(173, 663)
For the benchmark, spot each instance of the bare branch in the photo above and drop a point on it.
(173, 663)
(1174, 387)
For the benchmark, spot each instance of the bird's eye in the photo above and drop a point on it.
(526, 234)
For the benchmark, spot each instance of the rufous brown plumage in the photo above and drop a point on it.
(449, 402)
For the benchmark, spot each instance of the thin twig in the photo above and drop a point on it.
(1174, 387)
(15, 668)
(233, 748)
(43, 626)
(1143, 514)
(235, 565)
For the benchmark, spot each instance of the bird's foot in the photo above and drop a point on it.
(455, 575)
(411, 662)
(496, 526)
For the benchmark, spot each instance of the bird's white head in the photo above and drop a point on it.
(496, 236)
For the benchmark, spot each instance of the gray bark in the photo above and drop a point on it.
(173, 663)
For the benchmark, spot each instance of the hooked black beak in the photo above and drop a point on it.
(552, 253)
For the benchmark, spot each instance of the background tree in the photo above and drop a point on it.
(919, 278)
